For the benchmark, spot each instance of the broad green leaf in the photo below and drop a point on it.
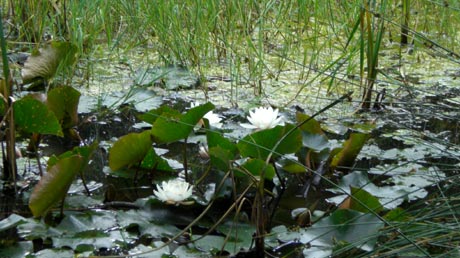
(153, 161)
(169, 129)
(129, 150)
(63, 101)
(236, 237)
(221, 150)
(45, 62)
(220, 157)
(351, 148)
(312, 126)
(33, 116)
(362, 201)
(260, 144)
(85, 152)
(216, 139)
(292, 166)
(152, 115)
(53, 186)
(257, 166)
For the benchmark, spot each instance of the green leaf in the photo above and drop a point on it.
(260, 144)
(220, 157)
(33, 116)
(256, 167)
(85, 152)
(129, 150)
(152, 115)
(216, 139)
(345, 158)
(312, 126)
(53, 186)
(292, 166)
(168, 129)
(63, 101)
(362, 201)
(153, 161)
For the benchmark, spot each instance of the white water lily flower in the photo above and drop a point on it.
(174, 191)
(214, 119)
(263, 118)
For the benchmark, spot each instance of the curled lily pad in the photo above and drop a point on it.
(45, 62)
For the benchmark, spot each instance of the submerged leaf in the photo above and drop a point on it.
(129, 150)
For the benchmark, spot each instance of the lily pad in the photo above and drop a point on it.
(45, 62)
(258, 167)
(129, 150)
(63, 101)
(168, 129)
(262, 143)
(33, 116)
(351, 148)
(53, 186)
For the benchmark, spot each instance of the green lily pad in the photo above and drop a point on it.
(345, 158)
(154, 161)
(256, 167)
(63, 101)
(53, 186)
(345, 225)
(312, 126)
(33, 116)
(168, 129)
(221, 158)
(260, 144)
(129, 150)
(362, 201)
